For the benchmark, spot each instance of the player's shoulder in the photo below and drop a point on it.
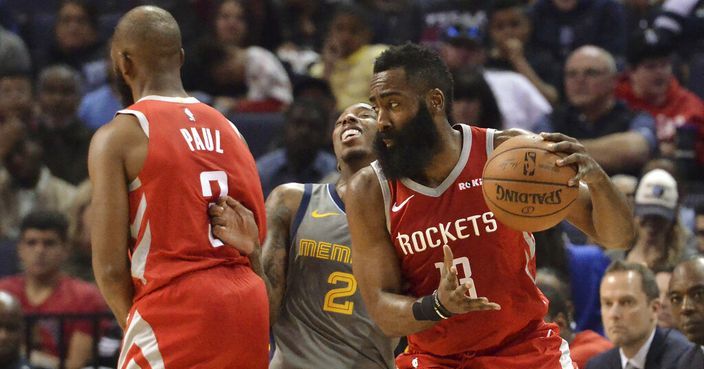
(120, 130)
(364, 186)
(364, 179)
(287, 194)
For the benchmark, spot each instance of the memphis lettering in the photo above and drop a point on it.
(443, 233)
(546, 198)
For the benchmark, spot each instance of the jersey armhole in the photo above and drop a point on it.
(143, 122)
(490, 141)
(305, 200)
(385, 192)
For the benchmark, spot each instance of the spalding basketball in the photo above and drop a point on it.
(524, 188)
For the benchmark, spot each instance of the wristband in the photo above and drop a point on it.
(424, 309)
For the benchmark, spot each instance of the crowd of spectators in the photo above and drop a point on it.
(625, 77)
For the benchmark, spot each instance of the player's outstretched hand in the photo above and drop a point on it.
(588, 171)
(455, 297)
(234, 225)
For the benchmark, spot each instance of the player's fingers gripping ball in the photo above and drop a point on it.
(524, 188)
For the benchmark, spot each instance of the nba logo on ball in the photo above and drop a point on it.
(529, 163)
(529, 197)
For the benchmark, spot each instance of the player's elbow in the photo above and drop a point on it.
(110, 273)
(623, 239)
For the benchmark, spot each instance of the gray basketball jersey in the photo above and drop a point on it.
(323, 322)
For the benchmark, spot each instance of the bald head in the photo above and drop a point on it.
(150, 36)
(596, 56)
(590, 77)
(687, 298)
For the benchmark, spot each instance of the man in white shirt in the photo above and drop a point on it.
(686, 295)
(629, 307)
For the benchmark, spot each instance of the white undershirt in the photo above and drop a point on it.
(638, 360)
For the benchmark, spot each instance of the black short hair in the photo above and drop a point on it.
(317, 112)
(647, 277)
(423, 66)
(559, 303)
(647, 44)
(46, 220)
(305, 83)
(360, 13)
(499, 5)
(469, 84)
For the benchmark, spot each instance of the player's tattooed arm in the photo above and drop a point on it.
(281, 207)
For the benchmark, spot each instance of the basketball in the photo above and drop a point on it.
(524, 188)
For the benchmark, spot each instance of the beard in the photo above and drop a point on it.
(123, 89)
(414, 146)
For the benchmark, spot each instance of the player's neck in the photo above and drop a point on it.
(160, 85)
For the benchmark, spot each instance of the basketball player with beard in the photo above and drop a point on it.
(318, 318)
(431, 261)
(158, 170)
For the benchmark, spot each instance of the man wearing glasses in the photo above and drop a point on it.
(620, 139)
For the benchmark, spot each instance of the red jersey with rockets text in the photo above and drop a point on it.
(499, 260)
(195, 156)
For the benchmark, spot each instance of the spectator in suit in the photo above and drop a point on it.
(629, 308)
(687, 299)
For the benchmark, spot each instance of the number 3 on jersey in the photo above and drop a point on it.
(343, 307)
(206, 185)
(462, 265)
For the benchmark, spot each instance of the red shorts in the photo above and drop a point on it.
(541, 348)
(214, 319)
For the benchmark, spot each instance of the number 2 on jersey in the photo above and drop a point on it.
(465, 269)
(343, 307)
(206, 179)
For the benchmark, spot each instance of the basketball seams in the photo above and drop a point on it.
(524, 181)
(532, 216)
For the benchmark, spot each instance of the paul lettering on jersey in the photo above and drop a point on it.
(202, 140)
(444, 233)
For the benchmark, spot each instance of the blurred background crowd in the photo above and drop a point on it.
(625, 77)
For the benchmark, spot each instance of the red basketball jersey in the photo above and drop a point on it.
(498, 259)
(195, 155)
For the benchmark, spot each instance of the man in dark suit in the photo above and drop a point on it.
(687, 299)
(629, 308)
